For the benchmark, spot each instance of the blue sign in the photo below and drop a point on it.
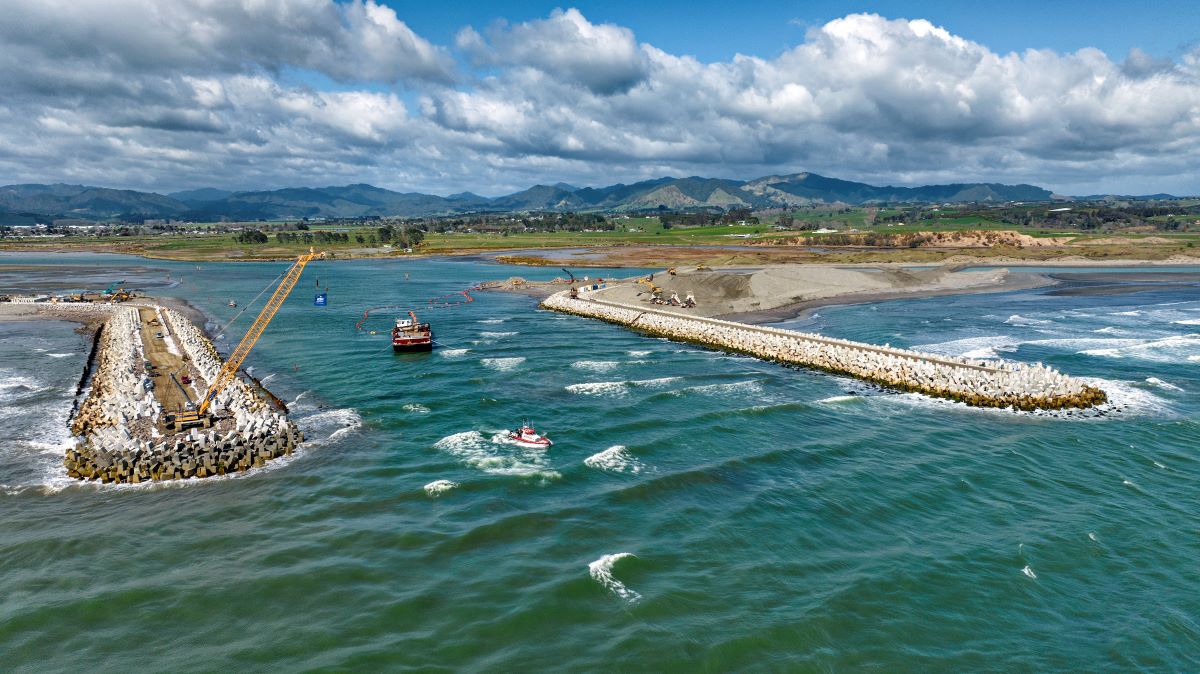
(320, 300)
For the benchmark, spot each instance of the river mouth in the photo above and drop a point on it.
(686, 489)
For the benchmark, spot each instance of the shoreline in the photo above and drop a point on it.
(1070, 257)
(799, 310)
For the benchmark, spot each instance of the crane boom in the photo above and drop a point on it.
(234, 362)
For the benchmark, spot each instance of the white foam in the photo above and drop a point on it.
(492, 321)
(453, 353)
(503, 364)
(1155, 381)
(1110, 330)
(839, 399)
(638, 354)
(599, 388)
(438, 487)
(1029, 572)
(601, 571)
(326, 426)
(1165, 350)
(736, 388)
(1135, 312)
(497, 455)
(1189, 321)
(496, 335)
(983, 347)
(1018, 319)
(615, 459)
(596, 365)
(416, 408)
(59, 355)
(617, 388)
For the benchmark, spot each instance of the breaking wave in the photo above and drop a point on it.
(1155, 381)
(601, 571)
(453, 353)
(737, 387)
(617, 388)
(986, 347)
(438, 487)
(596, 365)
(615, 459)
(1168, 349)
(416, 408)
(326, 426)
(1018, 319)
(503, 364)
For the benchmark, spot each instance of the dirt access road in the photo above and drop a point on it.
(166, 355)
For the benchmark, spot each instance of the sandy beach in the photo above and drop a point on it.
(780, 292)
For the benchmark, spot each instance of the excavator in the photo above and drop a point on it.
(199, 416)
(655, 291)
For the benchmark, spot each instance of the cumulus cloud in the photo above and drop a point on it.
(605, 58)
(357, 41)
(199, 92)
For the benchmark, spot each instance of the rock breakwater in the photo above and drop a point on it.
(119, 426)
(974, 382)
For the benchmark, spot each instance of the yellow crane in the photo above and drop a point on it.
(199, 416)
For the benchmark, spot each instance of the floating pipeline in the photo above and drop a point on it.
(1003, 384)
(454, 299)
(118, 425)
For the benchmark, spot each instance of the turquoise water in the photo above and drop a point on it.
(738, 515)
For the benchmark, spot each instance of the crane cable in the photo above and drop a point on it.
(440, 302)
(251, 302)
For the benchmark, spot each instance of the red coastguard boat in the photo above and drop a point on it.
(411, 335)
(525, 435)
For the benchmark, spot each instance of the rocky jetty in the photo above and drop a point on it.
(119, 424)
(1004, 384)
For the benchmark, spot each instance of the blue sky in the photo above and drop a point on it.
(493, 97)
(715, 31)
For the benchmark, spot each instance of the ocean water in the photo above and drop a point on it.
(698, 511)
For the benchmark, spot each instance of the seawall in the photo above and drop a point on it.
(974, 382)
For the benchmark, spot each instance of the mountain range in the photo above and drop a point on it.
(24, 204)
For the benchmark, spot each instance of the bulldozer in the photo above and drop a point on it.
(199, 416)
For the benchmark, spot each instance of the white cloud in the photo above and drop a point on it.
(195, 92)
(605, 58)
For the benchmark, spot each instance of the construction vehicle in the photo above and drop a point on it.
(199, 417)
(114, 287)
(671, 271)
(655, 291)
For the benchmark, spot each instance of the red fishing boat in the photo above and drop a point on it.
(411, 335)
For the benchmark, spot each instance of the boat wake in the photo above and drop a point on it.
(497, 454)
(601, 571)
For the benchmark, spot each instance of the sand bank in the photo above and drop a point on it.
(779, 292)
